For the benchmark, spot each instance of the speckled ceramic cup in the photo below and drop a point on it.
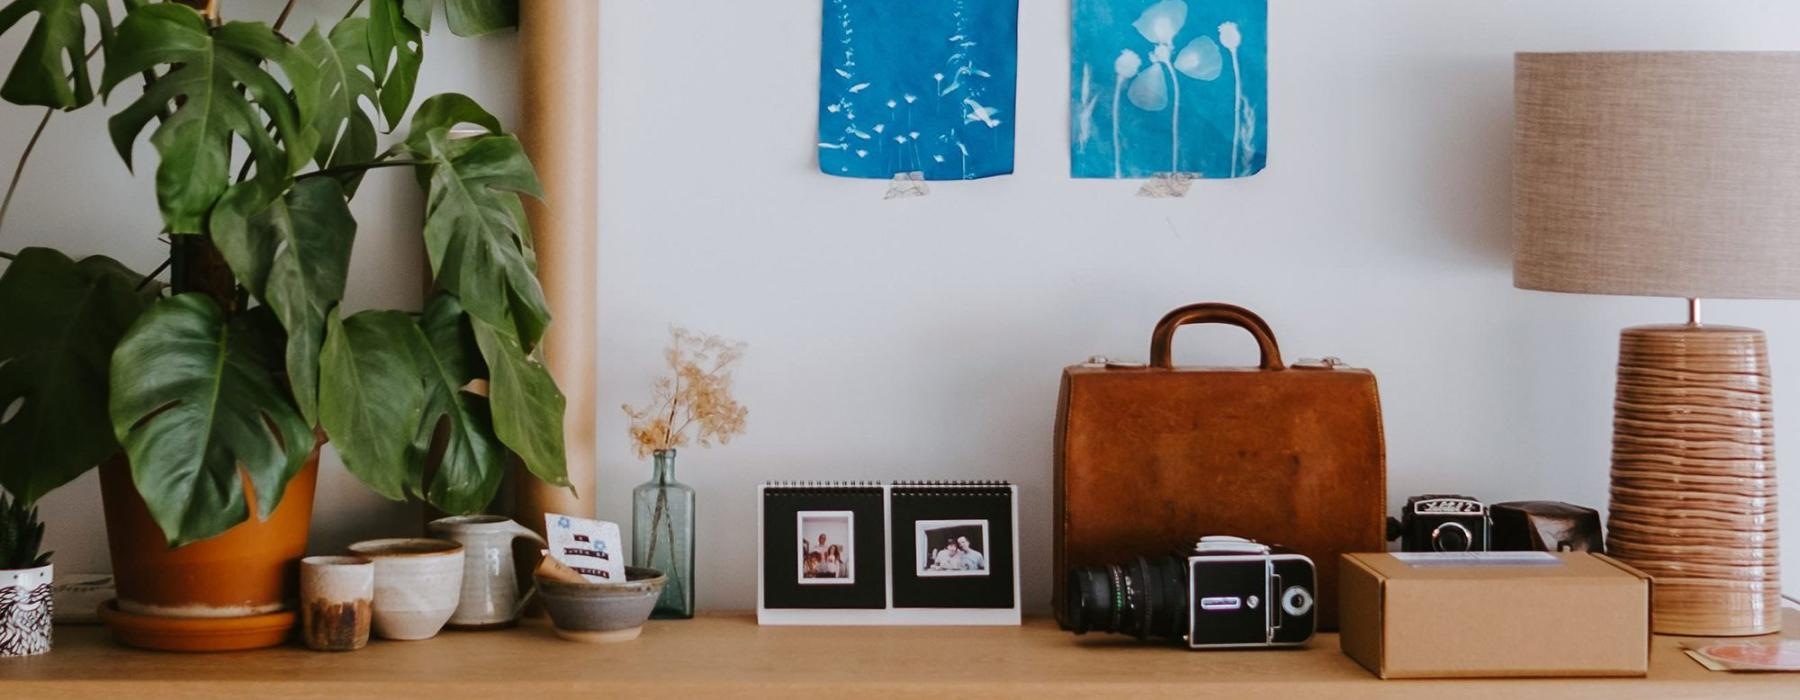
(418, 582)
(336, 598)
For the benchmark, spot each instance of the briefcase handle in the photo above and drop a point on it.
(1213, 312)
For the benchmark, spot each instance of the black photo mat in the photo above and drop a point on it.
(952, 512)
(782, 554)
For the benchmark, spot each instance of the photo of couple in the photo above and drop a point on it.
(825, 547)
(951, 547)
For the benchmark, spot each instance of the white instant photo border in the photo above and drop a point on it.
(846, 560)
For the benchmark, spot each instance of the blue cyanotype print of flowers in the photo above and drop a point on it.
(917, 87)
(1172, 110)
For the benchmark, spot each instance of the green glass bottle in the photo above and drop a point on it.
(662, 536)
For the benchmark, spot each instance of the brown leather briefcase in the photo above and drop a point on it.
(1149, 458)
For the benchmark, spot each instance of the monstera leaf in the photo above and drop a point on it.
(418, 12)
(195, 401)
(346, 135)
(467, 17)
(373, 399)
(216, 88)
(61, 321)
(52, 67)
(294, 254)
(474, 460)
(477, 17)
(475, 231)
(396, 50)
(393, 387)
(528, 408)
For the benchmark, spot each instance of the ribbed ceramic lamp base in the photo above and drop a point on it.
(1693, 477)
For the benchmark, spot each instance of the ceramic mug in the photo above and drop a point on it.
(417, 584)
(25, 608)
(490, 586)
(336, 597)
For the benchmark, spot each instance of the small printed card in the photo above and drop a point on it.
(590, 547)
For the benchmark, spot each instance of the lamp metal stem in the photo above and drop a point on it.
(1693, 312)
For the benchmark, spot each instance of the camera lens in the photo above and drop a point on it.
(1451, 537)
(1296, 601)
(1143, 598)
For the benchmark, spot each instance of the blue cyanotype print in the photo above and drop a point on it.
(1168, 86)
(918, 86)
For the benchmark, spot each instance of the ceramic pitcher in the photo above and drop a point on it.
(490, 589)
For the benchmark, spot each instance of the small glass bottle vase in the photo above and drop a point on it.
(662, 536)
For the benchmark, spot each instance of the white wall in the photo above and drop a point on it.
(923, 338)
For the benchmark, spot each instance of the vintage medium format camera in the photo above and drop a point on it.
(1230, 592)
(1546, 526)
(1441, 523)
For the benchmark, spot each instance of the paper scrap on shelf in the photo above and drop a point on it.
(1761, 656)
(589, 547)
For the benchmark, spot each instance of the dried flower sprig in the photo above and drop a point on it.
(696, 395)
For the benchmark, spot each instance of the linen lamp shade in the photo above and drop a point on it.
(1678, 175)
(1672, 174)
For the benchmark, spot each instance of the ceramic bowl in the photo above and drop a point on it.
(602, 612)
(418, 583)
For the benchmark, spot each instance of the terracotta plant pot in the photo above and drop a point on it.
(252, 569)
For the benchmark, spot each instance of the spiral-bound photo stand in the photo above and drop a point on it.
(898, 580)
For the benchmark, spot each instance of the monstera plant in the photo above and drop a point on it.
(236, 362)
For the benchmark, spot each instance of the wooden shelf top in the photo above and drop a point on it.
(730, 655)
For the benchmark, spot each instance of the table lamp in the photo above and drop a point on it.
(1673, 175)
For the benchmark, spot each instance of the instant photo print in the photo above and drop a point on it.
(953, 546)
(827, 551)
(901, 553)
(949, 548)
(802, 526)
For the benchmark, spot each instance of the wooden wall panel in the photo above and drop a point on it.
(560, 47)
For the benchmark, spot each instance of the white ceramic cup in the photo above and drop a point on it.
(490, 588)
(418, 582)
(337, 596)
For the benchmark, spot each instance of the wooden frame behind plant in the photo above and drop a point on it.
(242, 357)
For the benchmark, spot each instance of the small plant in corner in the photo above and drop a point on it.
(25, 581)
(21, 536)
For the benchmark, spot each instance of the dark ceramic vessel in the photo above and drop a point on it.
(602, 612)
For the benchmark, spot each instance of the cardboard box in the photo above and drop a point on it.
(1494, 615)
